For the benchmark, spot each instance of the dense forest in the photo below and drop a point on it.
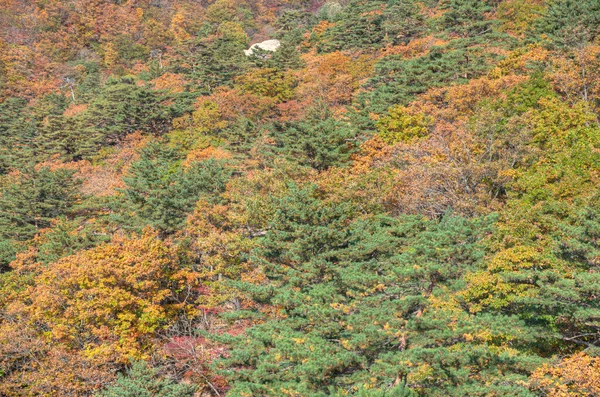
(401, 200)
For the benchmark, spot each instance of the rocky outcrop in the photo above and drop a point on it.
(267, 45)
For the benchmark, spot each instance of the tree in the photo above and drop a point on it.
(401, 126)
(319, 142)
(368, 24)
(267, 82)
(569, 23)
(467, 18)
(544, 267)
(32, 199)
(88, 314)
(162, 191)
(13, 124)
(142, 381)
(212, 64)
(349, 298)
(576, 375)
(397, 80)
(123, 107)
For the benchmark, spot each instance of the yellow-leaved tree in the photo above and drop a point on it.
(99, 308)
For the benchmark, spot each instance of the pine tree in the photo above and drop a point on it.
(569, 23)
(352, 298)
(319, 141)
(467, 18)
(121, 108)
(372, 24)
(34, 199)
(12, 125)
(398, 80)
(142, 380)
(161, 191)
(212, 64)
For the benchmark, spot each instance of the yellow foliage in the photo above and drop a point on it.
(111, 56)
(233, 31)
(113, 297)
(177, 28)
(268, 82)
(575, 376)
(402, 125)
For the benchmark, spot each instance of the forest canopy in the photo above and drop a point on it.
(401, 198)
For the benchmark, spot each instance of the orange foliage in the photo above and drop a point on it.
(171, 82)
(415, 48)
(98, 308)
(233, 103)
(367, 183)
(519, 60)
(202, 154)
(574, 376)
(332, 78)
(103, 179)
(577, 77)
(317, 32)
(292, 110)
(439, 171)
(74, 109)
(446, 169)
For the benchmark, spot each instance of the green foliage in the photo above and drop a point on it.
(319, 142)
(291, 20)
(296, 258)
(398, 126)
(65, 239)
(214, 64)
(161, 191)
(122, 107)
(399, 80)
(570, 22)
(350, 295)
(466, 18)
(128, 49)
(30, 133)
(368, 24)
(545, 248)
(268, 82)
(13, 124)
(8, 252)
(287, 55)
(398, 391)
(142, 380)
(33, 199)
(527, 96)
(87, 81)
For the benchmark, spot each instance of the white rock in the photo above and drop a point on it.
(267, 45)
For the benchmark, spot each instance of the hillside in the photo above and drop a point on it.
(395, 199)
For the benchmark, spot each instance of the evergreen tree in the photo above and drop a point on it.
(143, 381)
(12, 125)
(399, 80)
(352, 298)
(467, 18)
(570, 23)
(33, 199)
(66, 238)
(25, 131)
(211, 64)
(544, 267)
(319, 141)
(162, 191)
(121, 108)
(374, 23)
